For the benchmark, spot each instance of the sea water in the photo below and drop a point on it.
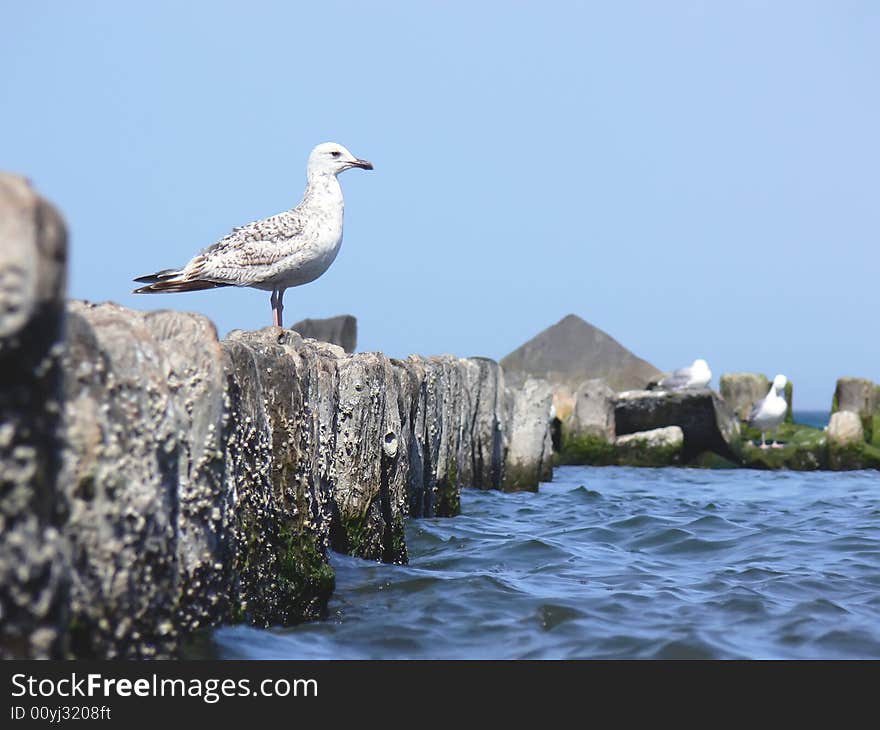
(614, 562)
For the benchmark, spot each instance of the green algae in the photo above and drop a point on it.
(803, 448)
(587, 450)
(355, 536)
(592, 450)
(639, 453)
(844, 457)
(711, 460)
(305, 577)
(449, 494)
(519, 480)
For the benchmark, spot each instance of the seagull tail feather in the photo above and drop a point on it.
(171, 286)
(158, 276)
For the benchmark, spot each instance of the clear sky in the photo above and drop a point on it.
(698, 179)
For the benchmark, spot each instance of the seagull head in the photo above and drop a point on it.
(330, 158)
(779, 383)
(700, 369)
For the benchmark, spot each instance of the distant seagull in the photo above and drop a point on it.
(697, 375)
(767, 414)
(285, 250)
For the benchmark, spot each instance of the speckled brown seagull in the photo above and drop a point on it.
(285, 250)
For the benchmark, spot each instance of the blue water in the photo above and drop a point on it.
(616, 563)
(816, 419)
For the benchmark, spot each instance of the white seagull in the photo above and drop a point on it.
(285, 250)
(697, 375)
(767, 414)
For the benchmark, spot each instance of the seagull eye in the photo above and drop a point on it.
(335, 153)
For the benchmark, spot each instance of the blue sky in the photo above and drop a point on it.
(696, 178)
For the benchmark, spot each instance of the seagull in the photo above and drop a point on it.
(697, 375)
(767, 414)
(285, 250)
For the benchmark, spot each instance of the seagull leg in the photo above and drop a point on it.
(763, 441)
(280, 305)
(276, 309)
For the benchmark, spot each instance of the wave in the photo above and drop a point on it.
(615, 563)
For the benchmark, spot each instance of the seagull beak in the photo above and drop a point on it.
(363, 164)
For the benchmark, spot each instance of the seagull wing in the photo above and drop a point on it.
(679, 379)
(756, 409)
(242, 258)
(247, 254)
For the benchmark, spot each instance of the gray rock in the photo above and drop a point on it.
(469, 380)
(707, 422)
(858, 395)
(340, 330)
(33, 267)
(593, 412)
(280, 453)
(442, 445)
(572, 351)
(206, 480)
(156, 480)
(742, 390)
(121, 472)
(412, 403)
(450, 406)
(845, 427)
(489, 436)
(529, 451)
(403, 447)
(370, 512)
(256, 514)
(425, 494)
(657, 447)
(198, 381)
(33, 555)
(454, 460)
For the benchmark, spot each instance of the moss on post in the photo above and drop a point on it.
(375, 535)
(874, 438)
(711, 460)
(305, 576)
(845, 457)
(586, 450)
(640, 454)
(352, 536)
(789, 399)
(518, 479)
(449, 493)
(398, 554)
(803, 449)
